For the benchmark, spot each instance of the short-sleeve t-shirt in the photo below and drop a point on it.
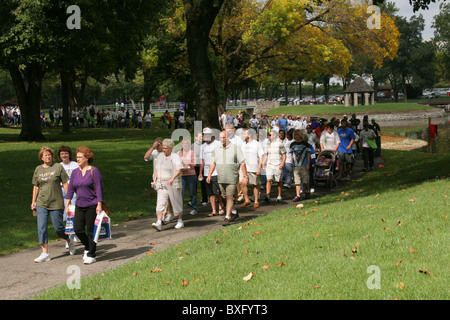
(283, 123)
(49, 182)
(345, 136)
(275, 150)
(206, 151)
(227, 160)
(300, 152)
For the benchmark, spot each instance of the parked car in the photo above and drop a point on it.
(320, 99)
(434, 95)
(306, 99)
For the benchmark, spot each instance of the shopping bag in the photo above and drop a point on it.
(372, 143)
(70, 221)
(102, 227)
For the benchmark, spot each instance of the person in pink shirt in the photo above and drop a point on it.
(188, 176)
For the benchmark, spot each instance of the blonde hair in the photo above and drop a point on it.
(46, 149)
(168, 143)
(301, 135)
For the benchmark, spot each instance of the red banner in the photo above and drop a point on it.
(433, 130)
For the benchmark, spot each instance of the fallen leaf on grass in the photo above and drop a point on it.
(257, 232)
(156, 270)
(397, 263)
(411, 250)
(150, 253)
(401, 285)
(185, 283)
(248, 277)
(281, 264)
(265, 267)
(134, 274)
(426, 272)
(316, 287)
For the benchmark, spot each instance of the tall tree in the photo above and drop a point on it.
(200, 16)
(317, 37)
(441, 40)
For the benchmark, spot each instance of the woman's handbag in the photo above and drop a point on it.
(104, 205)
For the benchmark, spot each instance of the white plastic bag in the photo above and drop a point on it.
(70, 221)
(102, 227)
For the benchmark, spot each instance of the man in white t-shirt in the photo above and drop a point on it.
(212, 188)
(275, 158)
(253, 153)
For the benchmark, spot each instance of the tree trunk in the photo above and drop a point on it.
(68, 99)
(28, 87)
(200, 16)
(149, 87)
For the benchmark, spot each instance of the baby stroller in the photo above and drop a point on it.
(324, 171)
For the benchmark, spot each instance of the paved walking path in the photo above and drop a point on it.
(22, 278)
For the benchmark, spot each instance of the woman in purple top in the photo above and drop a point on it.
(86, 182)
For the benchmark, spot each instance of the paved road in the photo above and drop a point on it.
(22, 278)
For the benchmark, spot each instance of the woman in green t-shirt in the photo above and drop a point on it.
(47, 199)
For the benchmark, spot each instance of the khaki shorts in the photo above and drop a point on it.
(301, 175)
(253, 178)
(227, 190)
(345, 157)
(274, 174)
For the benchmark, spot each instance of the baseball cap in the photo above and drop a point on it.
(207, 131)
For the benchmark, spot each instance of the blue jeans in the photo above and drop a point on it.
(287, 171)
(57, 221)
(191, 183)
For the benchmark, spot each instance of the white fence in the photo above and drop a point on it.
(162, 107)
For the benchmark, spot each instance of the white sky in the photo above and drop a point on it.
(406, 10)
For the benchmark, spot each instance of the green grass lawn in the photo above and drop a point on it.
(394, 219)
(321, 110)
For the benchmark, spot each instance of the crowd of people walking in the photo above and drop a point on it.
(254, 158)
(237, 170)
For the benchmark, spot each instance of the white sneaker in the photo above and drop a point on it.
(311, 190)
(85, 255)
(43, 257)
(279, 199)
(156, 225)
(168, 218)
(89, 260)
(72, 249)
(193, 212)
(179, 225)
(67, 245)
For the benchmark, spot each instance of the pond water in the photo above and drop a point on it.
(418, 129)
